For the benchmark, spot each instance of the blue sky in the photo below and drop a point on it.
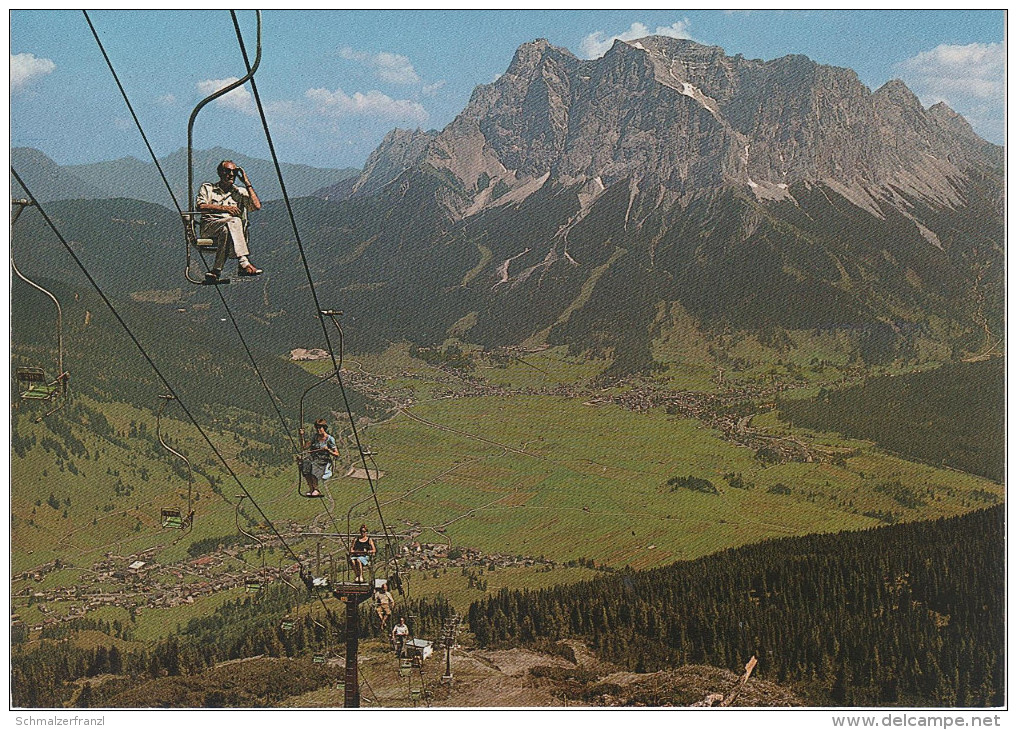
(334, 82)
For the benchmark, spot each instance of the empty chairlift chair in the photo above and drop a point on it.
(175, 518)
(34, 385)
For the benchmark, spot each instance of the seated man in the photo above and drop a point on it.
(222, 204)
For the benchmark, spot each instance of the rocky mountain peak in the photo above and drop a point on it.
(400, 150)
(897, 91)
(529, 56)
(675, 117)
(949, 118)
(668, 187)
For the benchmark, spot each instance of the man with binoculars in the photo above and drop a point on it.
(224, 207)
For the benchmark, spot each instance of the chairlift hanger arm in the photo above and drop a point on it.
(332, 314)
(190, 474)
(261, 544)
(21, 204)
(212, 97)
(158, 430)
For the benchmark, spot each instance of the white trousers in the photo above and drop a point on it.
(234, 226)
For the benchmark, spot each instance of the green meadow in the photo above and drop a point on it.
(531, 474)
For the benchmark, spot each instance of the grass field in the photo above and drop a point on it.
(527, 474)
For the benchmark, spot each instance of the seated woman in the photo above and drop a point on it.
(316, 462)
(360, 553)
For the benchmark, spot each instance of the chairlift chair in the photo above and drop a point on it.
(330, 467)
(34, 385)
(192, 232)
(174, 519)
(194, 236)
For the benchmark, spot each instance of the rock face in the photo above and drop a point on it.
(674, 118)
(668, 191)
(400, 150)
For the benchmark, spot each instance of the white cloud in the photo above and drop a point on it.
(167, 100)
(976, 70)
(372, 104)
(240, 99)
(25, 67)
(598, 43)
(395, 69)
(392, 68)
(432, 89)
(970, 79)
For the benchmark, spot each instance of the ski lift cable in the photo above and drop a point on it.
(130, 108)
(148, 358)
(307, 271)
(272, 397)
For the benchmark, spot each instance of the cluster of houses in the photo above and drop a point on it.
(137, 582)
(430, 556)
(717, 410)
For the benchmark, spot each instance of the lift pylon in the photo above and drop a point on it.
(352, 594)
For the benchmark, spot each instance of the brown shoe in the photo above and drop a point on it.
(248, 270)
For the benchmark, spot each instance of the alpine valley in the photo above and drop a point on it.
(665, 328)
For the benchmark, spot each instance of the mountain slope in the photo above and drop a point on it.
(46, 178)
(666, 192)
(754, 194)
(908, 615)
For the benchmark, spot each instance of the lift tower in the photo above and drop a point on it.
(352, 594)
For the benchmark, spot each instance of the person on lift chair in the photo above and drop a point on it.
(223, 206)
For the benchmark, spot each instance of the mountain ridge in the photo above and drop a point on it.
(689, 160)
(129, 177)
(537, 119)
(582, 202)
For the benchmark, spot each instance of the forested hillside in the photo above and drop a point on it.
(954, 415)
(60, 669)
(903, 615)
